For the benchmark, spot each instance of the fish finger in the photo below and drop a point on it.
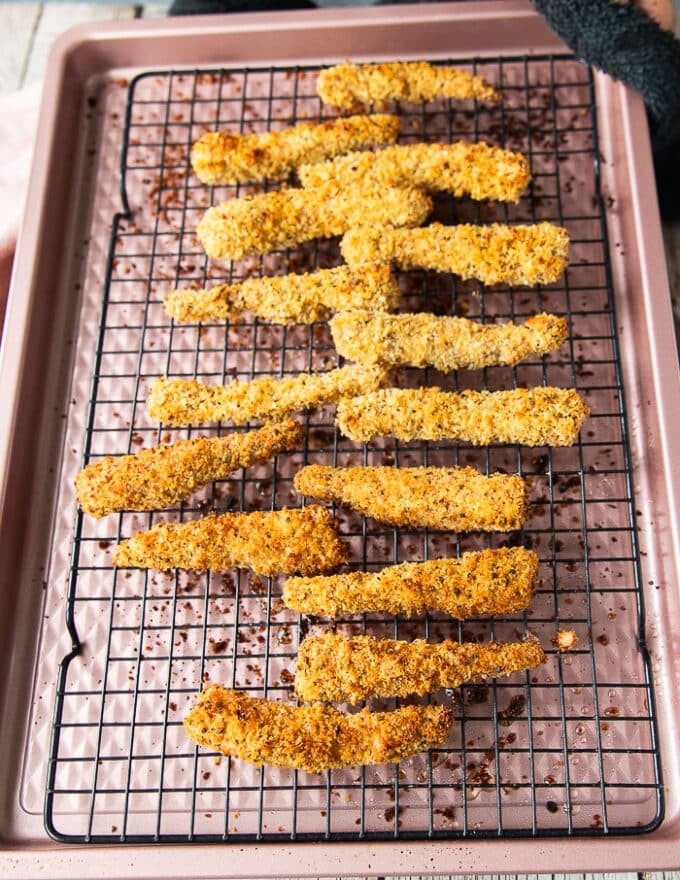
(261, 223)
(342, 669)
(490, 581)
(289, 299)
(162, 475)
(478, 170)
(290, 541)
(525, 254)
(348, 84)
(541, 416)
(312, 738)
(444, 342)
(185, 401)
(222, 157)
(456, 499)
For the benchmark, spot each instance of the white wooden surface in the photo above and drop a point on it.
(26, 33)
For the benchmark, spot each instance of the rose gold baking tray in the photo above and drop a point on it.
(574, 768)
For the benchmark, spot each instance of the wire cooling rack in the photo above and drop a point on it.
(568, 749)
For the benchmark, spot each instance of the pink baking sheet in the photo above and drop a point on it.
(570, 754)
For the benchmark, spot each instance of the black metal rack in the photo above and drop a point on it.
(569, 749)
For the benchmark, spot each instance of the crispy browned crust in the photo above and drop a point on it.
(490, 581)
(311, 738)
(457, 499)
(342, 669)
(348, 84)
(158, 477)
(183, 401)
(261, 223)
(291, 541)
(478, 170)
(289, 299)
(446, 343)
(494, 254)
(541, 416)
(222, 157)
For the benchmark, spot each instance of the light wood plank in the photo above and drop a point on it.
(18, 22)
(155, 10)
(56, 18)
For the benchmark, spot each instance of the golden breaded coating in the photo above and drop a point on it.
(478, 170)
(311, 738)
(347, 85)
(456, 499)
(542, 416)
(289, 299)
(261, 223)
(158, 477)
(342, 669)
(491, 581)
(221, 157)
(446, 343)
(267, 542)
(494, 254)
(183, 401)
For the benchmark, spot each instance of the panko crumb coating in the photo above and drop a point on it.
(455, 499)
(349, 669)
(221, 157)
(525, 254)
(261, 223)
(444, 342)
(311, 738)
(289, 299)
(187, 401)
(291, 541)
(162, 475)
(478, 170)
(348, 84)
(541, 416)
(490, 581)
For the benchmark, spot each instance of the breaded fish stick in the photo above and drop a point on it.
(289, 299)
(221, 157)
(158, 477)
(285, 218)
(478, 170)
(266, 542)
(311, 738)
(348, 84)
(541, 416)
(183, 401)
(446, 343)
(456, 499)
(494, 254)
(343, 669)
(491, 581)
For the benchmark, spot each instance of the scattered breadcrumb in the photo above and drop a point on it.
(158, 477)
(456, 499)
(311, 738)
(186, 401)
(490, 581)
(525, 254)
(478, 170)
(338, 668)
(221, 157)
(444, 342)
(289, 299)
(541, 416)
(565, 640)
(267, 542)
(261, 223)
(348, 84)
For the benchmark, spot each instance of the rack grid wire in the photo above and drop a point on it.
(568, 749)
